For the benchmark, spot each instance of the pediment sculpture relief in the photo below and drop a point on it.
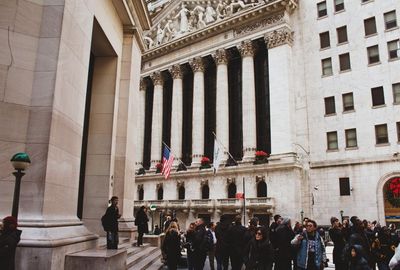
(192, 16)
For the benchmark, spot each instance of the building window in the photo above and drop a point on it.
(330, 105)
(339, 5)
(141, 194)
(365, 1)
(205, 192)
(326, 66)
(321, 6)
(344, 185)
(381, 134)
(398, 131)
(324, 40)
(393, 49)
(344, 60)
(390, 20)
(351, 138)
(396, 93)
(342, 34)
(370, 26)
(160, 193)
(373, 54)
(332, 140)
(181, 193)
(348, 102)
(261, 189)
(232, 191)
(378, 97)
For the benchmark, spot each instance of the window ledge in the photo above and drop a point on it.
(367, 2)
(391, 29)
(378, 106)
(330, 114)
(322, 17)
(342, 43)
(349, 111)
(324, 49)
(351, 148)
(374, 64)
(340, 11)
(345, 71)
(371, 35)
(382, 144)
(326, 75)
(332, 150)
(393, 59)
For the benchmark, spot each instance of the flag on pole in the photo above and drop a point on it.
(239, 195)
(167, 160)
(218, 155)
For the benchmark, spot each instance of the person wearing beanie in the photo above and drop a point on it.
(338, 238)
(9, 239)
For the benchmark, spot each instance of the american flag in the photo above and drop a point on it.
(167, 160)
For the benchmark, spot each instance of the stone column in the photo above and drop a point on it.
(279, 51)
(222, 103)
(176, 115)
(248, 101)
(156, 125)
(197, 65)
(141, 107)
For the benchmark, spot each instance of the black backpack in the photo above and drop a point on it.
(208, 243)
(105, 222)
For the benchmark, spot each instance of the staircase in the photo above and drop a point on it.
(144, 257)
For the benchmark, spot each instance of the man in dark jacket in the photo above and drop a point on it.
(111, 223)
(235, 238)
(141, 220)
(9, 239)
(338, 238)
(283, 246)
(200, 245)
(222, 248)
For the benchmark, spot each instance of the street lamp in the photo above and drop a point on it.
(341, 215)
(302, 215)
(20, 162)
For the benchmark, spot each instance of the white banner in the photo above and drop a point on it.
(218, 155)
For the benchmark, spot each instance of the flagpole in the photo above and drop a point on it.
(244, 203)
(174, 155)
(215, 136)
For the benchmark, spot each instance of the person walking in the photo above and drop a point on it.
(222, 248)
(189, 236)
(9, 239)
(211, 252)
(311, 254)
(141, 221)
(110, 223)
(171, 246)
(259, 253)
(200, 245)
(236, 243)
(337, 236)
(283, 248)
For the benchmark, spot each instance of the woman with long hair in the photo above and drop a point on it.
(189, 244)
(259, 252)
(171, 246)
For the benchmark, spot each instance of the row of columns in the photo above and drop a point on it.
(247, 52)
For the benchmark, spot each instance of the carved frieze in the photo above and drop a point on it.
(143, 84)
(267, 22)
(279, 37)
(197, 64)
(157, 78)
(176, 72)
(220, 57)
(246, 48)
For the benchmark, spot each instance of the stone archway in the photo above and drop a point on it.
(385, 209)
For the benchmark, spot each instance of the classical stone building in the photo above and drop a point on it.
(69, 79)
(313, 83)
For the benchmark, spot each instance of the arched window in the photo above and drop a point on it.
(141, 194)
(160, 193)
(261, 189)
(181, 193)
(232, 190)
(205, 192)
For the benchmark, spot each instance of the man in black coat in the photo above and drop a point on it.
(141, 221)
(236, 245)
(9, 239)
(222, 248)
(111, 223)
(337, 236)
(284, 255)
(200, 245)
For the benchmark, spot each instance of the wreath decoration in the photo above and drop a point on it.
(393, 192)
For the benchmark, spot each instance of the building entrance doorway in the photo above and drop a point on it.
(391, 195)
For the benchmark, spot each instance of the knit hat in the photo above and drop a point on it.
(333, 220)
(10, 220)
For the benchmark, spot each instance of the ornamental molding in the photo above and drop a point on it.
(197, 64)
(230, 181)
(180, 183)
(139, 187)
(157, 79)
(220, 57)
(260, 178)
(172, 30)
(176, 72)
(204, 182)
(143, 84)
(246, 48)
(279, 37)
(159, 185)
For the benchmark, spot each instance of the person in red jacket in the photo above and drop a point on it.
(9, 239)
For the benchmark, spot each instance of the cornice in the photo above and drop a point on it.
(279, 37)
(240, 23)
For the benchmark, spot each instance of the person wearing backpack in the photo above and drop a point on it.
(110, 223)
(200, 245)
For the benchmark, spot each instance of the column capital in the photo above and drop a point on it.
(157, 78)
(246, 48)
(143, 84)
(220, 57)
(197, 64)
(176, 72)
(279, 37)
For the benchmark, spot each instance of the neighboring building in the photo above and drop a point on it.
(68, 74)
(314, 83)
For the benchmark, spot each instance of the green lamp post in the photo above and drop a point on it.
(20, 162)
(302, 215)
(341, 214)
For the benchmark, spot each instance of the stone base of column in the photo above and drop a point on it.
(127, 228)
(44, 244)
(248, 156)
